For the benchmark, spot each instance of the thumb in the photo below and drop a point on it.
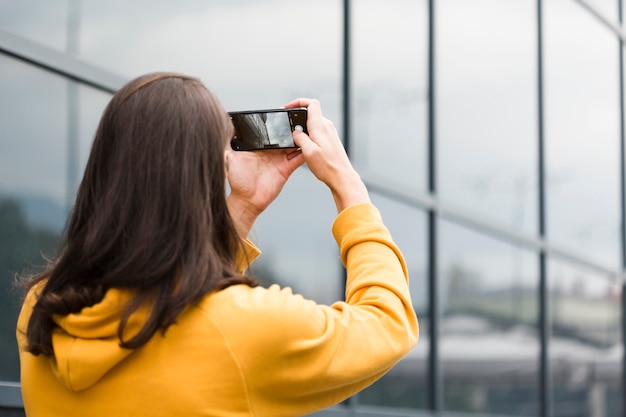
(302, 140)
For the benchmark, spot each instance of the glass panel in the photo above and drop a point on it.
(486, 109)
(405, 385)
(585, 347)
(4, 412)
(252, 54)
(44, 22)
(606, 8)
(390, 125)
(266, 65)
(33, 134)
(32, 185)
(91, 105)
(299, 250)
(489, 340)
(36, 126)
(582, 132)
(267, 70)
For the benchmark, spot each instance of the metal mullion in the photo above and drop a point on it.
(10, 395)
(352, 402)
(622, 143)
(545, 397)
(545, 403)
(346, 90)
(623, 202)
(484, 226)
(59, 63)
(435, 397)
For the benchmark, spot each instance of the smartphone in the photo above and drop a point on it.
(266, 129)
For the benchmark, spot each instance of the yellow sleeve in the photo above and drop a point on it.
(307, 356)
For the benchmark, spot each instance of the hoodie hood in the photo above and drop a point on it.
(86, 344)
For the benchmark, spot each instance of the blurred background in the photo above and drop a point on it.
(490, 133)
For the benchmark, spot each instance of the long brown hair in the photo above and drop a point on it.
(150, 213)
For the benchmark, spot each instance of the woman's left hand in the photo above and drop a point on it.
(256, 178)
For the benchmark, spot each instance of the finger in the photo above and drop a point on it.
(295, 160)
(302, 139)
(312, 105)
(294, 154)
(298, 102)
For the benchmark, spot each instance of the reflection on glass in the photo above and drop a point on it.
(585, 347)
(489, 341)
(22, 241)
(44, 22)
(32, 133)
(389, 121)
(406, 385)
(266, 70)
(11, 412)
(250, 54)
(607, 8)
(91, 106)
(32, 185)
(486, 109)
(582, 132)
(35, 125)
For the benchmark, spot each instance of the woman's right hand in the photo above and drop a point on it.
(326, 157)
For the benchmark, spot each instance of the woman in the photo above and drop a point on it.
(146, 310)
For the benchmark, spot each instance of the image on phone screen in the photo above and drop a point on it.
(269, 129)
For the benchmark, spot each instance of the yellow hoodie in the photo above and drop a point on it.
(239, 352)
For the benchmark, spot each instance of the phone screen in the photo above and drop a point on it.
(266, 129)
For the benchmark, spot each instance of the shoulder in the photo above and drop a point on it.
(255, 303)
(254, 314)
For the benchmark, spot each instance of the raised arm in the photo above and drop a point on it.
(326, 157)
(308, 356)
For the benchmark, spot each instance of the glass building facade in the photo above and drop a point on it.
(490, 134)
